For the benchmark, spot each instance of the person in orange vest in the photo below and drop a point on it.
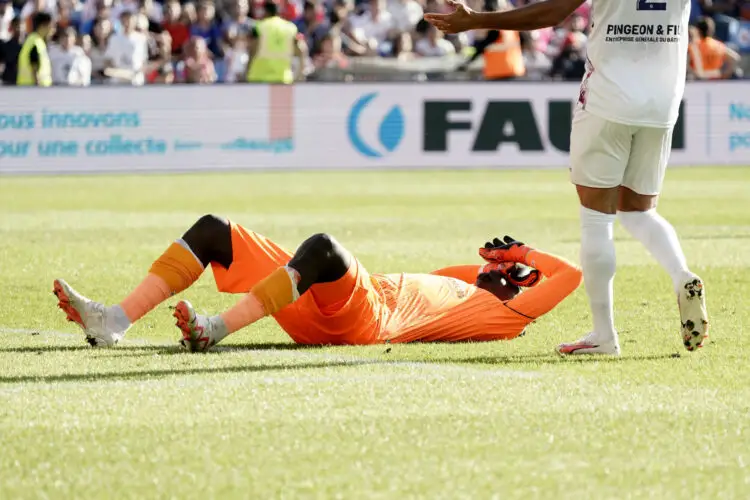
(710, 59)
(503, 57)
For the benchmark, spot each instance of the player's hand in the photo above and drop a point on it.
(516, 274)
(461, 19)
(506, 250)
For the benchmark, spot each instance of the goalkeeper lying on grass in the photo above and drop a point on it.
(323, 295)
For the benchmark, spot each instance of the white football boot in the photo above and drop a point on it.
(199, 333)
(691, 299)
(590, 344)
(89, 315)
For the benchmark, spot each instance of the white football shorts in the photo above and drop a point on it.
(605, 154)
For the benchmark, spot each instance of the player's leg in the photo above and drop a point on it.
(637, 212)
(208, 240)
(320, 259)
(599, 152)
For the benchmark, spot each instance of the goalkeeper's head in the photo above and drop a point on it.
(506, 280)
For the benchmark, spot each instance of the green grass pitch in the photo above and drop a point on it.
(262, 418)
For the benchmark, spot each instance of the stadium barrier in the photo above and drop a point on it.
(353, 126)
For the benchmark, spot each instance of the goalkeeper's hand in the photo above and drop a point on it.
(506, 250)
(517, 274)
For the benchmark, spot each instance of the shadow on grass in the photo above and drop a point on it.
(556, 359)
(148, 374)
(136, 349)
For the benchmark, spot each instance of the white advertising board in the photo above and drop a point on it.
(354, 126)
(153, 128)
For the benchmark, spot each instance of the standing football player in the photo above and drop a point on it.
(620, 142)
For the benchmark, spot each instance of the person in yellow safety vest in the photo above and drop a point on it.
(503, 57)
(273, 46)
(710, 59)
(34, 67)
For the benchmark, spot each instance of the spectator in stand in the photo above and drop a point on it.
(160, 69)
(155, 15)
(311, 25)
(339, 23)
(696, 12)
(433, 44)
(236, 58)
(570, 63)
(68, 15)
(32, 7)
(127, 53)
(6, 17)
(9, 50)
(503, 58)
(375, 28)
(102, 32)
(207, 28)
(328, 54)
(102, 12)
(567, 48)
(710, 59)
(439, 6)
(403, 47)
(197, 66)
(70, 65)
(406, 14)
(725, 14)
(177, 24)
(239, 21)
(537, 64)
(730, 8)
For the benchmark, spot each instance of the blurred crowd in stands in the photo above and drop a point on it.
(206, 41)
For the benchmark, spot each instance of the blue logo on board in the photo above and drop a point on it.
(390, 131)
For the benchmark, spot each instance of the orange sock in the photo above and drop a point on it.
(173, 272)
(245, 312)
(276, 291)
(152, 291)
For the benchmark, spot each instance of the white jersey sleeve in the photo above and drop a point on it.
(637, 58)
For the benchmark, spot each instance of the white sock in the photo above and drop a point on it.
(598, 263)
(116, 319)
(660, 239)
(220, 328)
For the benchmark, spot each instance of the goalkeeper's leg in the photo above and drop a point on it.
(207, 241)
(320, 259)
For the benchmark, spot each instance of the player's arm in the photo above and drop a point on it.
(252, 43)
(466, 273)
(35, 64)
(562, 277)
(300, 52)
(731, 60)
(530, 17)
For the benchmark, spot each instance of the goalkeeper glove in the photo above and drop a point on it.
(506, 250)
(516, 274)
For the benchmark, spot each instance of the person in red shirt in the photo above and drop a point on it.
(321, 294)
(177, 23)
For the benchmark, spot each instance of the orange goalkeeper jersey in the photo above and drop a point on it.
(442, 306)
(446, 306)
(430, 308)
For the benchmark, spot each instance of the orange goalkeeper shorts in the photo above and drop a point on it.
(347, 311)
